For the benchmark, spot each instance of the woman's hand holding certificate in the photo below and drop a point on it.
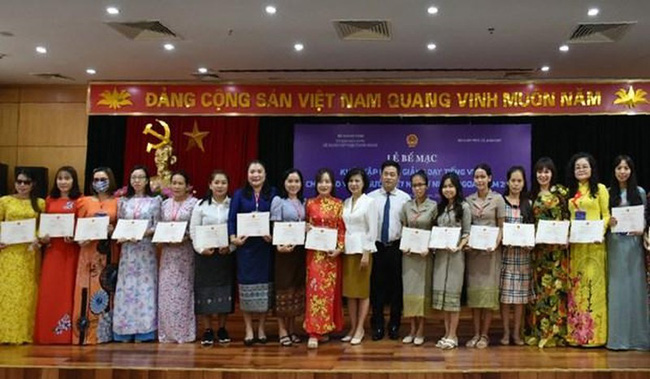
(170, 232)
(415, 240)
(586, 231)
(56, 225)
(444, 238)
(552, 232)
(483, 237)
(254, 224)
(289, 233)
(522, 235)
(16, 232)
(130, 230)
(321, 239)
(92, 229)
(628, 219)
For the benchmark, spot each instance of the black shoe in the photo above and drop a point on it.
(393, 332)
(222, 335)
(208, 338)
(249, 342)
(378, 334)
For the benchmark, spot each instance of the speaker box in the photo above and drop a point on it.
(4, 172)
(40, 175)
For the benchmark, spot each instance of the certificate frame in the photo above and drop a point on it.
(169, 232)
(518, 235)
(254, 224)
(100, 224)
(47, 219)
(8, 235)
(289, 233)
(130, 229)
(328, 234)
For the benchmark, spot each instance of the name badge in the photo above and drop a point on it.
(581, 215)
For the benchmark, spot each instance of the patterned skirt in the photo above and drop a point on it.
(515, 280)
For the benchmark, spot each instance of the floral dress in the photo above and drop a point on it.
(324, 310)
(587, 302)
(546, 315)
(176, 321)
(137, 281)
(18, 284)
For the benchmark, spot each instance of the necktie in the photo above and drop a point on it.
(384, 224)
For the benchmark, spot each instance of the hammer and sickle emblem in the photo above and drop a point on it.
(164, 139)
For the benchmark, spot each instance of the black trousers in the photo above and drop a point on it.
(386, 284)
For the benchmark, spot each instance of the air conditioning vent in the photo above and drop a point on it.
(365, 30)
(144, 30)
(600, 32)
(52, 76)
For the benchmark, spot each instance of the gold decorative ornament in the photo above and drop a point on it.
(631, 97)
(196, 138)
(163, 158)
(115, 99)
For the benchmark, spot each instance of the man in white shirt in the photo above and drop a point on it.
(386, 276)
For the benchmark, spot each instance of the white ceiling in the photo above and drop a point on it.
(239, 35)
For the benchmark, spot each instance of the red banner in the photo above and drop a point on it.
(543, 98)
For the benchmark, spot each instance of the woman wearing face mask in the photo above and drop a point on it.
(324, 309)
(93, 311)
(136, 297)
(214, 273)
(417, 268)
(546, 315)
(289, 260)
(482, 266)
(56, 289)
(18, 264)
(176, 321)
(628, 327)
(587, 303)
(254, 260)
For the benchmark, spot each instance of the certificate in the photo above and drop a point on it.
(253, 224)
(170, 232)
(586, 231)
(211, 236)
(415, 240)
(321, 239)
(20, 231)
(552, 232)
(628, 219)
(444, 238)
(91, 229)
(289, 233)
(483, 237)
(522, 235)
(132, 230)
(56, 225)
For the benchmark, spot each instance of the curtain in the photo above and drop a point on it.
(230, 144)
(105, 146)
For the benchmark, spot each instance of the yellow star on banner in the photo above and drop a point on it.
(196, 138)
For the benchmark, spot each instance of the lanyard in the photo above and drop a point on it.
(257, 201)
(176, 209)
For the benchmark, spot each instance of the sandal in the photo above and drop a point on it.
(285, 341)
(450, 344)
(418, 341)
(505, 341)
(295, 338)
(473, 341)
(483, 342)
(312, 343)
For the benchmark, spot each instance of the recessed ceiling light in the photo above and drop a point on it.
(432, 10)
(564, 48)
(169, 47)
(545, 68)
(270, 9)
(431, 46)
(593, 12)
(203, 70)
(298, 47)
(41, 50)
(112, 10)
(91, 71)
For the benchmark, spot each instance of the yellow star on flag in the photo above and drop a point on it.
(196, 138)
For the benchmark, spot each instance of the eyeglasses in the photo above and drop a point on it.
(96, 180)
(138, 178)
(25, 182)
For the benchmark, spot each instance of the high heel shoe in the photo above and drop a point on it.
(357, 340)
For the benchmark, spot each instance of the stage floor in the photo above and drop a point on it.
(384, 359)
